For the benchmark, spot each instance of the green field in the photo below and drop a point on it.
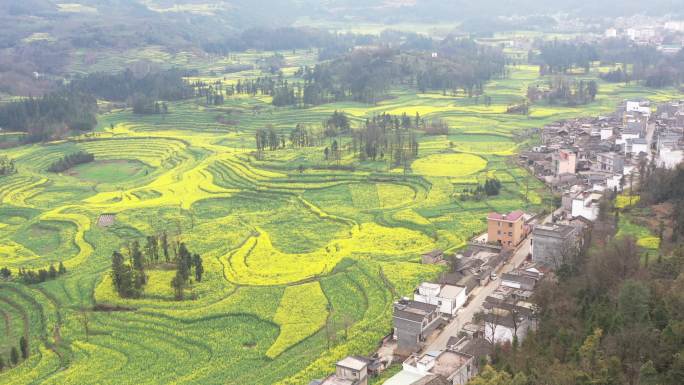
(285, 252)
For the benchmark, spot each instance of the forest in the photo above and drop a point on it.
(51, 115)
(646, 64)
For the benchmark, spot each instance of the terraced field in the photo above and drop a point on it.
(290, 257)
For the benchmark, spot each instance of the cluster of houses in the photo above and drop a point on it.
(582, 158)
(665, 34)
(505, 316)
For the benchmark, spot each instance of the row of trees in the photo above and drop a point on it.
(14, 357)
(39, 276)
(7, 165)
(71, 160)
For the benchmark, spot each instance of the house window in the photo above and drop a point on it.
(510, 225)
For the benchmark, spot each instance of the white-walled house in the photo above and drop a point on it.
(633, 106)
(636, 146)
(607, 133)
(448, 298)
(670, 158)
(500, 328)
(586, 204)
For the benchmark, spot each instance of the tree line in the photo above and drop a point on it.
(73, 107)
(70, 160)
(31, 277)
(146, 94)
(51, 115)
(646, 64)
(366, 75)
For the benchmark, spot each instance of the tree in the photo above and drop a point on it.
(2, 364)
(199, 268)
(52, 272)
(633, 303)
(24, 347)
(165, 245)
(14, 356)
(152, 248)
(178, 284)
(118, 272)
(184, 262)
(61, 269)
(592, 89)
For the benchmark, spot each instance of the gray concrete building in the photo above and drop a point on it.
(413, 323)
(552, 245)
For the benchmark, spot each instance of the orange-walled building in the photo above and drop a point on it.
(508, 230)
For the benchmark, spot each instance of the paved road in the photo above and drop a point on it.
(479, 294)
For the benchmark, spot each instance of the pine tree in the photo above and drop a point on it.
(24, 347)
(199, 268)
(178, 284)
(14, 356)
(184, 262)
(118, 272)
(138, 263)
(61, 269)
(52, 272)
(165, 245)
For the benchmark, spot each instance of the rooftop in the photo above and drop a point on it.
(354, 363)
(555, 230)
(511, 217)
(451, 291)
(412, 310)
(449, 361)
(334, 380)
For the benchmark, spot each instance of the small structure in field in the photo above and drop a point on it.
(433, 257)
(106, 220)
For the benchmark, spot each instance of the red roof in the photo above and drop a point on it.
(510, 217)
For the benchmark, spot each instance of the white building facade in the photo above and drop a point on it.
(448, 298)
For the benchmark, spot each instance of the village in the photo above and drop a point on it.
(445, 333)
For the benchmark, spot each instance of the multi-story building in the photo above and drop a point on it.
(610, 162)
(507, 230)
(413, 323)
(552, 244)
